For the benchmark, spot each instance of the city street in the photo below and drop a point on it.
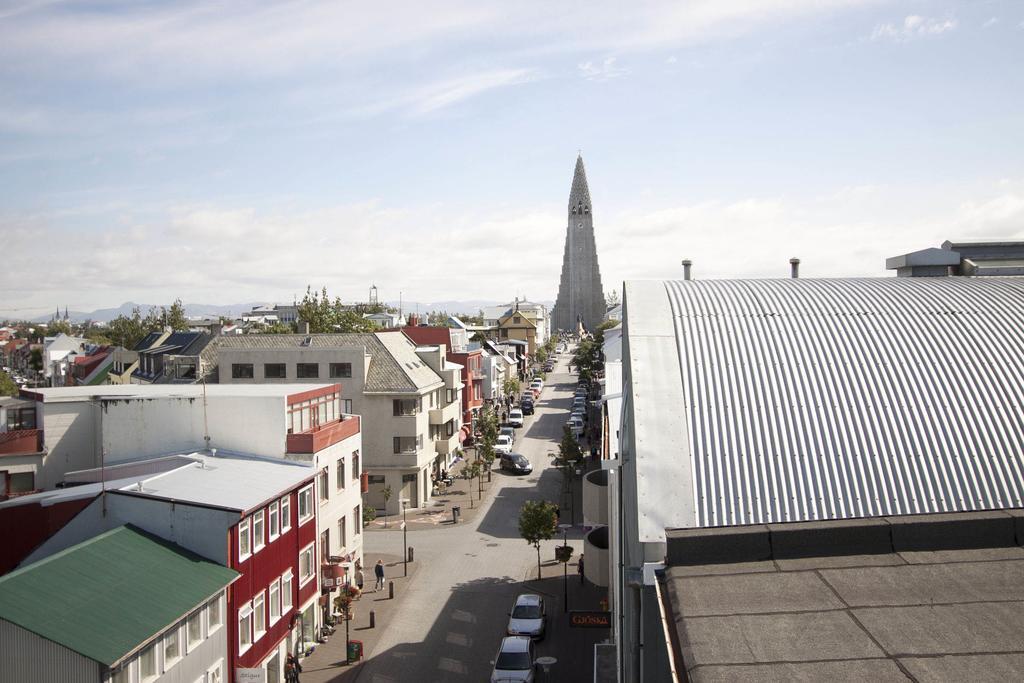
(450, 616)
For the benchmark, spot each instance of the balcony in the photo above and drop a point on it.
(21, 442)
(446, 445)
(440, 416)
(320, 437)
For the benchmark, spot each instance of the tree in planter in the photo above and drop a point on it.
(369, 514)
(469, 472)
(488, 438)
(386, 492)
(538, 521)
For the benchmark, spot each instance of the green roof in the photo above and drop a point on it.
(105, 597)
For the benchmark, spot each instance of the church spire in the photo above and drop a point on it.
(579, 195)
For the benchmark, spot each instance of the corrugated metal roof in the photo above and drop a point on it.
(825, 399)
(105, 597)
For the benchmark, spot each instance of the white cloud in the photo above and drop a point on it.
(913, 26)
(225, 254)
(602, 71)
(447, 93)
(992, 21)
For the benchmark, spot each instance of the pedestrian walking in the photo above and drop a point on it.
(359, 576)
(292, 669)
(378, 571)
(579, 569)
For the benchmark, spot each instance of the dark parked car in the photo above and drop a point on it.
(526, 407)
(515, 463)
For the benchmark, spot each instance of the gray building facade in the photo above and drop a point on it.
(580, 294)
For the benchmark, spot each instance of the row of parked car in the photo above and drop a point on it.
(527, 623)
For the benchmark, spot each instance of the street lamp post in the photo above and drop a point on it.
(405, 539)
(565, 568)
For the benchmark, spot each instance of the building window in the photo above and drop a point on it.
(259, 613)
(375, 479)
(172, 647)
(275, 371)
(286, 514)
(325, 544)
(213, 613)
(245, 628)
(194, 629)
(306, 564)
(342, 533)
(244, 540)
(355, 465)
(324, 491)
(340, 473)
(257, 531)
(406, 444)
(274, 520)
(274, 603)
(122, 675)
(307, 370)
(286, 592)
(147, 663)
(358, 519)
(241, 371)
(341, 370)
(305, 504)
(404, 406)
(347, 406)
(215, 674)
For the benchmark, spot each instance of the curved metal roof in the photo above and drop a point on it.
(824, 399)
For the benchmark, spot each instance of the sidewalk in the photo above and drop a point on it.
(327, 663)
(438, 512)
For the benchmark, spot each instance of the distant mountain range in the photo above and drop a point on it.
(104, 315)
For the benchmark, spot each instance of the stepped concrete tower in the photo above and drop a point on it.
(580, 295)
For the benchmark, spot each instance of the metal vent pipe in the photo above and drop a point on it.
(687, 265)
(794, 268)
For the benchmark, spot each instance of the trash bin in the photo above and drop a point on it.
(456, 513)
(355, 650)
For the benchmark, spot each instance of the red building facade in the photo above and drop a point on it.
(472, 362)
(272, 605)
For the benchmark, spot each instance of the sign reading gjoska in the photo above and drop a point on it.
(590, 619)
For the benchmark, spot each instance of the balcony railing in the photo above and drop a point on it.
(320, 437)
(21, 441)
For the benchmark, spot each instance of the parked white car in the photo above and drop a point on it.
(503, 445)
(576, 426)
(515, 417)
(514, 661)
(527, 616)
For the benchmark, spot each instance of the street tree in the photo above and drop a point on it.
(471, 471)
(58, 327)
(489, 430)
(173, 317)
(569, 448)
(7, 385)
(538, 521)
(128, 330)
(511, 386)
(325, 315)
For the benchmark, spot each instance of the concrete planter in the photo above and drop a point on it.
(595, 498)
(595, 556)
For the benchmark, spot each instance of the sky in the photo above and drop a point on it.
(223, 152)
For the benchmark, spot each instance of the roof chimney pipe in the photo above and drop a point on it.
(687, 266)
(794, 268)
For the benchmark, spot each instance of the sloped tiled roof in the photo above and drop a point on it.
(394, 365)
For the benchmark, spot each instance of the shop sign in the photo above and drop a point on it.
(590, 619)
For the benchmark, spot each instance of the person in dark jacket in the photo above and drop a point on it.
(378, 571)
(579, 569)
(292, 669)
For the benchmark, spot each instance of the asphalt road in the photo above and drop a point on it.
(454, 610)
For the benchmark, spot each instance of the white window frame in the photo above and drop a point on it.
(217, 669)
(274, 599)
(259, 537)
(245, 612)
(210, 626)
(311, 548)
(310, 512)
(244, 531)
(273, 521)
(323, 485)
(201, 612)
(169, 663)
(287, 578)
(286, 513)
(259, 613)
(156, 647)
